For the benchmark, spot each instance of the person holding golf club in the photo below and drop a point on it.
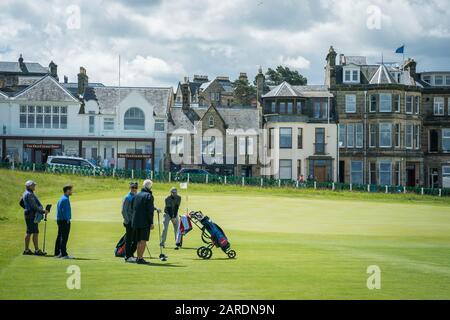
(172, 204)
(142, 219)
(63, 218)
(127, 213)
(32, 207)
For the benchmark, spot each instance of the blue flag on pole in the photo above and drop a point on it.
(400, 50)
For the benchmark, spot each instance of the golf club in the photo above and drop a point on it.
(148, 250)
(45, 232)
(162, 256)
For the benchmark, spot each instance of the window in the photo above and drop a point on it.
(397, 135)
(290, 107)
(282, 107)
(438, 80)
(359, 135)
(43, 117)
(438, 106)
(23, 116)
(446, 140)
(350, 135)
(417, 137)
(286, 169)
(426, 79)
(299, 107)
(417, 105)
(433, 141)
(250, 147)
(409, 104)
(159, 125)
(350, 103)
(176, 145)
(108, 124)
(211, 122)
(351, 75)
(397, 105)
(31, 114)
(385, 102)
(271, 137)
(320, 141)
(341, 135)
(409, 136)
(373, 173)
(299, 168)
(91, 122)
(55, 118)
(214, 96)
(446, 177)
(209, 146)
(447, 80)
(299, 138)
(385, 135)
(355, 76)
(372, 135)
(285, 138)
(40, 117)
(385, 169)
(347, 76)
(317, 110)
(273, 107)
(134, 119)
(373, 103)
(242, 146)
(357, 172)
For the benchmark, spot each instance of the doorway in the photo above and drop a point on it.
(411, 175)
(40, 156)
(320, 173)
(134, 164)
(342, 171)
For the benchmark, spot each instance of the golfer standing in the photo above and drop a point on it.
(142, 220)
(172, 205)
(32, 206)
(63, 218)
(127, 213)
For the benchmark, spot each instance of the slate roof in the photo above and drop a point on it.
(45, 89)
(109, 97)
(285, 90)
(234, 117)
(14, 67)
(382, 76)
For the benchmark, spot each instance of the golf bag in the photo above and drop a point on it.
(120, 248)
(184, 227)
(212, 235)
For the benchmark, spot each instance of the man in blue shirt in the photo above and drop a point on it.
(127, 213)
(63, 217)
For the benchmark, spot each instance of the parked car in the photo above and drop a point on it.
(196, 175)
(66, 161)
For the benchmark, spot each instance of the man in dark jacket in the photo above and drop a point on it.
(172, 205)
(127, 213)
(142, 220)
(32, 207)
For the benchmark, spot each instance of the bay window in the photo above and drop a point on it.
(385, 173)
(385, 135)
(385, 102)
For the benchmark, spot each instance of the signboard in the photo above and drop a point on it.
(134, 155)
(41, 146)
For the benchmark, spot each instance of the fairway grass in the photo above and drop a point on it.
(290, 244)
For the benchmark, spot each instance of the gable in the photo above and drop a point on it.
(219, 122)
(46, 89)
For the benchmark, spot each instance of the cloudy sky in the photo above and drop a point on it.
(160, 42)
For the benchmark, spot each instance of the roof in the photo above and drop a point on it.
(46, 89)
(109, 97)
(357, 60)
(14, 67)
(285, 90)
(234, 117)
(382, 76)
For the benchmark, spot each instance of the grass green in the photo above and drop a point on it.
(290, 244)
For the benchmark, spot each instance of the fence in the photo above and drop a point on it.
(222, 180)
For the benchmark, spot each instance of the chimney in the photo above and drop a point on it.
(243, 76)
(83, 81)
(411, 66)
(22, 65)
(53, 67)
(260, 84)
(185, 96)
(66, 79)
(200, 78)
(342, 59)
(330, 68)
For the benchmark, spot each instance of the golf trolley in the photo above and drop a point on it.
(212, 236)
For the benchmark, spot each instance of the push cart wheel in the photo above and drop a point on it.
(231, 254)
(206, 253)
(200, 251)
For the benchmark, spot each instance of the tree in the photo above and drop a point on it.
(280, 74)
(244, 92)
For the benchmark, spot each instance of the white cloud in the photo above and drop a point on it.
(297, 62)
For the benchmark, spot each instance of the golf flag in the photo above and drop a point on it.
(183, 185)
(400, 50)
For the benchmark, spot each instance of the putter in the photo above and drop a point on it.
(148, 250)
(162, 256)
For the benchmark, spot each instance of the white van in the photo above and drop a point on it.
(65, 161)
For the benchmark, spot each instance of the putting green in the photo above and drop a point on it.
(290, 245)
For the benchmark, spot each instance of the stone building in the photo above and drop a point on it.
(302, 133)
(436, 127)
(380, 113)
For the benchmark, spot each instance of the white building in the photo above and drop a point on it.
(123, 127)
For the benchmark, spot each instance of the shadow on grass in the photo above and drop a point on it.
(76, 259)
